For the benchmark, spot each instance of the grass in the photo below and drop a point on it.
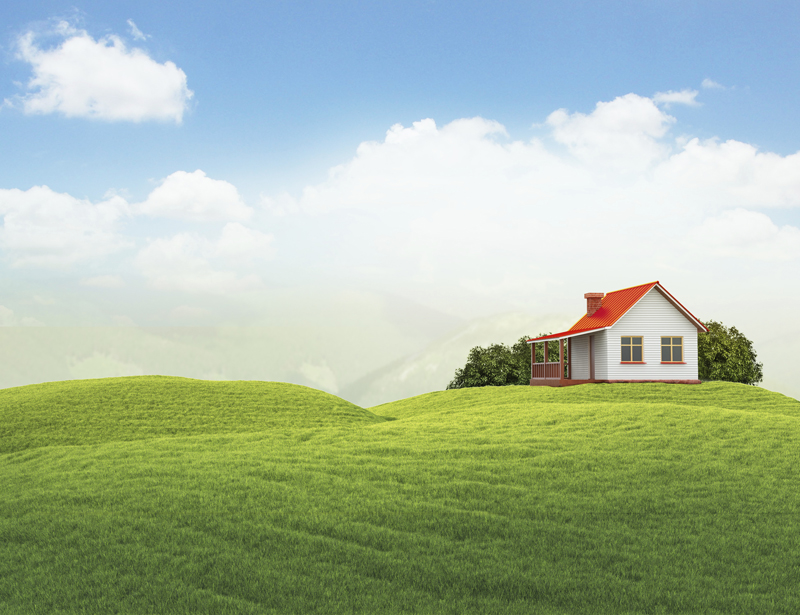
(97, 411)
(167, 495)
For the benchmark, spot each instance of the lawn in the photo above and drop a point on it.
(169, 495)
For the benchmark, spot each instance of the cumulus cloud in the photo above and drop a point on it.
(101, 79)
(683, 97)
(731, 174)
(623, 133)
(45, 228)
(40, 227)
(422, 160)
(461, 213)
(192, 263)
(195, 196)
(618, 158)
(748, 234)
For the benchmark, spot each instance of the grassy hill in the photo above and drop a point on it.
(144, 407)
(162, 495)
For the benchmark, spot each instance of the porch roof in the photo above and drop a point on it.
(565, 334)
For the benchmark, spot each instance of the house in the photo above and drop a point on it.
(637, 334)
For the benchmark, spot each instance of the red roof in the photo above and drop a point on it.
(614, 306)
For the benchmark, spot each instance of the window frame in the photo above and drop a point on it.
(671, 346)
(631, 346)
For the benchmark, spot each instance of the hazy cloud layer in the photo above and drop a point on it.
(750, 235)
(104, 281)
(189, 262)
(9, 319)
(461, 219)
(101, 79)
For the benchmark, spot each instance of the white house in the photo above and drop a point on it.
(637, 334)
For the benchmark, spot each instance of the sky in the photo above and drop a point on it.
(348, 195)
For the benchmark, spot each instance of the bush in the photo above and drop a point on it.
(500, 365)
(725, 354)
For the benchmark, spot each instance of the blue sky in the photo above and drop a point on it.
(242, 160)
(284, 90)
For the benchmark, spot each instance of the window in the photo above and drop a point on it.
(632, 350)
(672, 350)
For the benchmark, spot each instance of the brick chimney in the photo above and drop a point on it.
(593, 302)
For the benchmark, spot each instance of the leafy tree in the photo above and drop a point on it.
(500, 365)
(725, 354)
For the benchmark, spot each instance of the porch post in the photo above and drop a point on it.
(561, 359)
(569, 358)
(533, 357)
(544, 368)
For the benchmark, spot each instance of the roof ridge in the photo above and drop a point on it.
(619, 290)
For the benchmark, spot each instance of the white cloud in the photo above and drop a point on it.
(240, 244)
(195, 196)
(748, 234)
(280, 205)
(101, 79)
(186, 261)
(731, 174)
(709, 84)
(104, 281)
(619, 161)
(683, 97)
(460, 216)
(623, 133)
(50, 229)
(136, 33)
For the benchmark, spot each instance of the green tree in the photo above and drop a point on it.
(725, 354)
(500, 365)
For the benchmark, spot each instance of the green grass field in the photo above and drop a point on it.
(168, 495)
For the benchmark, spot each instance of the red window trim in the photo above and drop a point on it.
(673, 362)
(633, 363)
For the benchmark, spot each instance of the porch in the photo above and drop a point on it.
(558, 374)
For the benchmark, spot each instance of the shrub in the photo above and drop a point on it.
(500, 365)
(726, 354)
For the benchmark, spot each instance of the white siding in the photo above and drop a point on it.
(652, 317)
(580, 358)
(600, 354)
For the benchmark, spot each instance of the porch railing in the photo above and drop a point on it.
(545, 370)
